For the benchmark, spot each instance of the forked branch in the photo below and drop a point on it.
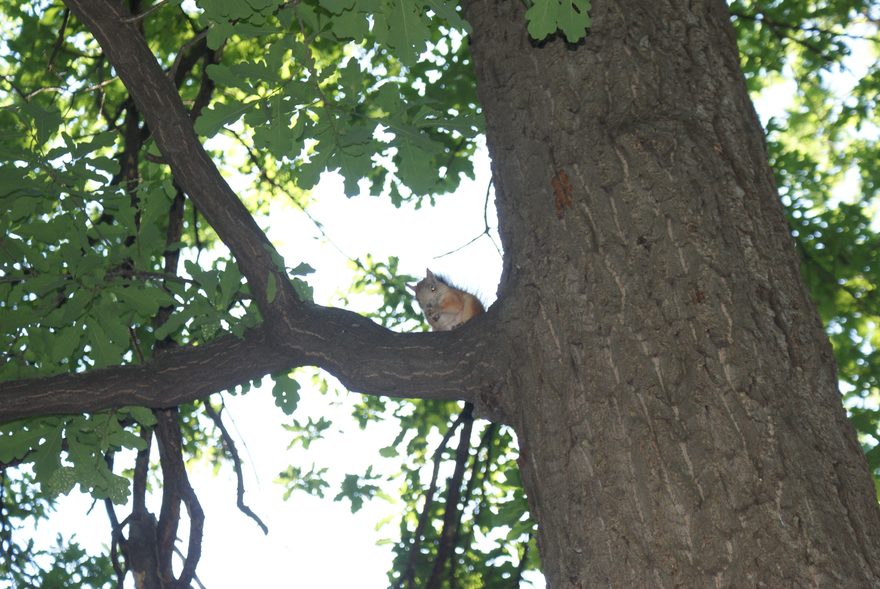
(364, 356)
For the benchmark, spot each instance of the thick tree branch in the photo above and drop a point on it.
(173, 477)
(364, 356)
(176, 490)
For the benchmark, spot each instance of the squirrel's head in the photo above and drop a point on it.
(428, 285)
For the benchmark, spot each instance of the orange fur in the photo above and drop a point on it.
(445, 306)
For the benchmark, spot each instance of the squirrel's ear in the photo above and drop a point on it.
(411, 287)
(430, 274)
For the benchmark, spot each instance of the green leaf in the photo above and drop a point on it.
(350, 24)
(574, 19)
(389, 452)
(122, 438)
(105, 164)
(116, 327)
(286, 393)
(337, 6)
(142, 415)
(542, 17)
(446, 10)
(103, 352)
(75, 305)
(45, 121)
(61, 481)
(207, 279)
(276, 135)
(355, 491)
(230, 285)
(145, 302)
(46, 456)
(415, 159)
(303, 269)
(308, 15)
(220, 115)
(271, 288)
(402, 25)
(308, 173)
(312, 482)
(171, 326)
(65, 342)
(23, 207)
(873, 457)
(16, 442)
(303, 290)
(218, 33)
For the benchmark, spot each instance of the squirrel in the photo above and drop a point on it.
(445, 306)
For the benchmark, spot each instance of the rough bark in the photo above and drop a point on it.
(678, 413)
(362, 355)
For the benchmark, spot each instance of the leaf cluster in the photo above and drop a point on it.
(372, 89)
(546, 17)
(24, 563)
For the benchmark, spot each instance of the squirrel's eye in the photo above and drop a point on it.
(433, 288)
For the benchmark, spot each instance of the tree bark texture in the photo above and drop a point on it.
(674, 394)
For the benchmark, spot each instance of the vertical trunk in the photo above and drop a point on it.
(678, 412)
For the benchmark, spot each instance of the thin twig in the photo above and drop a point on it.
(486, 229)
(146, 13)
(761, 17)
(136, 344)
(97, 86)
(58, 40)
(172, 72)
(26, 96)
(229, 445)
(19, 91)
(486, 217)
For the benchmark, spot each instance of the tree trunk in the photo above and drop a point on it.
(673, 392)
